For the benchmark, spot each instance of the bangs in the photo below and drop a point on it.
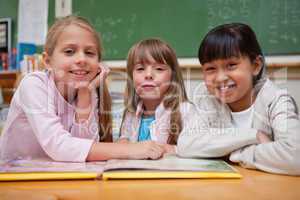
(219, 46)
(148, 51)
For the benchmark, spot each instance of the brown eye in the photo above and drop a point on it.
(210, 69)
(69, 52)
(91, 53)
(160, 67)
(232, 65)
(139, 67)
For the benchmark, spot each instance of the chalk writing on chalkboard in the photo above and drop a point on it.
(110, 26)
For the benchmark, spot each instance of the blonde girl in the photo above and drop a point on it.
(64, 113)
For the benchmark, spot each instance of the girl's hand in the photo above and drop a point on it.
(262, 137)
(169, 149)
(84, 93)
(100, 77)
(124, 141)
(145, 150)
(96, 81)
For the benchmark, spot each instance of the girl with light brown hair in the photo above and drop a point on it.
(156, 101)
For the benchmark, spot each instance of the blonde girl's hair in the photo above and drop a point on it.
(162, 53)
(105, 119)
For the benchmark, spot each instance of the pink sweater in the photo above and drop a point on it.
(41, 124)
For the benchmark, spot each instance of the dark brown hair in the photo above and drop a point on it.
(230, 40)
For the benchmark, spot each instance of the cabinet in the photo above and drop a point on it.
(8, 83)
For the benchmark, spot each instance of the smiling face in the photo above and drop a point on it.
(151, 80)
(231, 80)
(74, 58)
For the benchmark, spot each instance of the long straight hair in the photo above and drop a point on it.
(162, 53)
(105, 119)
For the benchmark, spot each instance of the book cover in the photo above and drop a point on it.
(42, 169)
(166, 167)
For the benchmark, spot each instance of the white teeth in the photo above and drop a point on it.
(225, 87)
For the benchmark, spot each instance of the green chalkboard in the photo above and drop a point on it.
(183, 23)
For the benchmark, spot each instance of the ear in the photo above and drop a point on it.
(46, 60)
(257, 64)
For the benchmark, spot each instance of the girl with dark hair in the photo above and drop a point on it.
(241, 113)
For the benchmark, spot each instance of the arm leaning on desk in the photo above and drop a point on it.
(253, 185)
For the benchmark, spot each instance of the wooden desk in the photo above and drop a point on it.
(254, 185)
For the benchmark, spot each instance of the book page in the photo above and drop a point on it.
(43, 165)
(171, 163)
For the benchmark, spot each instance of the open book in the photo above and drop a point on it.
(167, 167)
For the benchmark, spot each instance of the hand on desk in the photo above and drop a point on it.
(155, 153)
(169, 149)
(145, 150)
(262, 137)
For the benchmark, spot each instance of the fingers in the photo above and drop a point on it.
(169, 149)
(103, 71)
(155, 150)
(81, 84)
(263, 137)
(146, 150)
(154, 155)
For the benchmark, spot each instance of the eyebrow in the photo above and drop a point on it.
(74, 44)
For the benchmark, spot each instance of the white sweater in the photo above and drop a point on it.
(211, 133)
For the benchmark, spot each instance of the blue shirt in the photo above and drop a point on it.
(144, 131)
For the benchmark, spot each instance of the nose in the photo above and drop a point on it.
(149, 73)
(80, 58)
(221, 76)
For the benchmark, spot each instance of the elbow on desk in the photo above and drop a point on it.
(284, 162)
(287, 168)
(293, 164)
(196, 149)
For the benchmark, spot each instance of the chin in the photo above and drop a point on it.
(226, 100)
(149, 96)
